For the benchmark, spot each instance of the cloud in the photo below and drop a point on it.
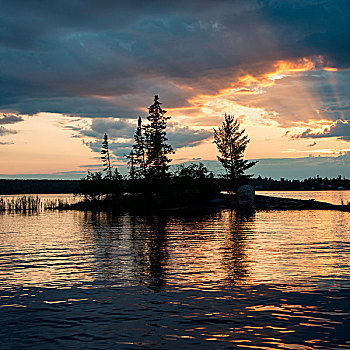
(111, 58)
(6, 143)
(121, 129)
(311, 95)
(312, 144)
(114, 127)
(341, 130)
(10, 119)
(5, 131)
(180, 137)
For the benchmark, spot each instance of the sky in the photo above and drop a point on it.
(71, 70)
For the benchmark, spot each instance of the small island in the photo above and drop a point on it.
(150, 185)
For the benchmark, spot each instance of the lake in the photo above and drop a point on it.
(188, 280)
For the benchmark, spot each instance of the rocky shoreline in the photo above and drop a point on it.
(275, 203)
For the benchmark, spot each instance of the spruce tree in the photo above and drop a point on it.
(131, 163)
(157, 148)
(106, 157)
(138, 152)
(232, 143)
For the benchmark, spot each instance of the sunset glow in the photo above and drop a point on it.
(285, 101)
(174, 174)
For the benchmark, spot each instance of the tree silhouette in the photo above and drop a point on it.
(137, 157)
(92, 186)
(232, 143)
(157, 149)
(131, 163)
(106, 157)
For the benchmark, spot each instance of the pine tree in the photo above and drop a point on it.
(157, 149)
(232, 143)
(131, 163)
(106, 157)
(137, 157)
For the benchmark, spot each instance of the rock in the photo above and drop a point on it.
(246, 195)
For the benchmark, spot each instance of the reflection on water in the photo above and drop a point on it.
(261, 280)
(64, 248)
(334, 197)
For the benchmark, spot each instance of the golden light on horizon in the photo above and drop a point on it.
(41, 145)
(330, 69)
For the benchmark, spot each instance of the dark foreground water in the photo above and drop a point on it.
(225, 280)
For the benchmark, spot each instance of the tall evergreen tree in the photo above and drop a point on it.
(105, 156)
(137, 156)
(232, 143)
(157, 148)
(131, 163)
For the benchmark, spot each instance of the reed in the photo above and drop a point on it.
(32, 204)
(21, 204)
(2, 204)
(58, 203)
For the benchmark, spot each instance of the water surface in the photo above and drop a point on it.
(333, 197)
(266, 280)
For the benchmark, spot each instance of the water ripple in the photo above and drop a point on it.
(264, 280)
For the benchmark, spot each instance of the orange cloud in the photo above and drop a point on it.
(225, 100)
(316, 126)
(250, 83)
(330, 69)
(281, 69)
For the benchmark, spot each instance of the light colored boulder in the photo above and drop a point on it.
(246, 195)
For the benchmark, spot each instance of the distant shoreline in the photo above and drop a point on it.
(20, 187)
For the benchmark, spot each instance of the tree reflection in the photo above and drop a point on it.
(204, 248)
(105, 234)
(150, 250)
(128, 249)
(235, 257)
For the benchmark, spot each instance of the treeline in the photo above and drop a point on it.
(310, 184)
(38, 186)
(189, 174)
(187, 185)
(149, 158)
(151, 182)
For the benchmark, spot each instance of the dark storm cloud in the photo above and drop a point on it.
(341, 130)
(313, 27)
(10, 119)
(61, 56)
